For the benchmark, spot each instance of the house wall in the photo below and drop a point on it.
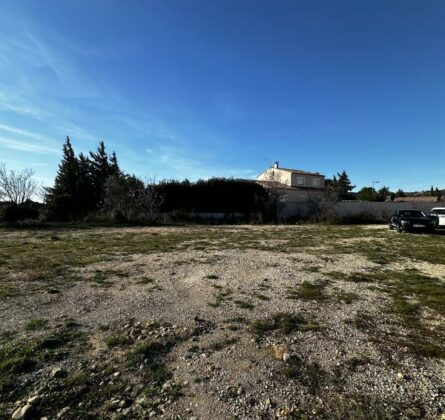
(277, 175)
(308, 180)
(289, 178)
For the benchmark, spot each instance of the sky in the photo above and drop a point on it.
(197, 88)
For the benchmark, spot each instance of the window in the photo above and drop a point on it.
(316, 182)
(300, 181)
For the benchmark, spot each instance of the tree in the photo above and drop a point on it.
(343, 186)
(128, 199)
(62, 199)
(102, 168)
(17, 186)
(273, 184)
(366, 194)
(400, 193)
(383, 194)
(153, 200)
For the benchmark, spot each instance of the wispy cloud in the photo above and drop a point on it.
(174, 162)
(27, 146)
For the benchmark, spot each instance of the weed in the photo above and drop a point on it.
(145, 280)
(36, 324)
(117, 340)
(308, 291)
(283, 322)
(244, 304)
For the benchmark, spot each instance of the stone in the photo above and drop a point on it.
(34, 400)
(279, 351)
(286, 356)
(58, 372)
(62, 412)
(24, 412)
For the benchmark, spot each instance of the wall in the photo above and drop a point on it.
(308, 181)
(382, 211)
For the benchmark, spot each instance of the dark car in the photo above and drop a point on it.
(410, 221)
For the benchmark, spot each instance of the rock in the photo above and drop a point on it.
(400, 375)
(24, 412)
(58, 372)
(286, 356)
(116, 374)
(279, 351)
(62, 412)
(240, 391)
(34, 400)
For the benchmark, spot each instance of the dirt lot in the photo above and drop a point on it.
(222, 322)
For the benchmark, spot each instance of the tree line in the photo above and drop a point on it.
(93, 187)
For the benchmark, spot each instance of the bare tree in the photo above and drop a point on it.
(153, 200)
(274, 186)
(17, 186)
(321, 207)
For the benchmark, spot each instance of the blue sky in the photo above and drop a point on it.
(194, 89)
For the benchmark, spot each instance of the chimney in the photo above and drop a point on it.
(275, 165)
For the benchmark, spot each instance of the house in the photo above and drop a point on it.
(295, 184)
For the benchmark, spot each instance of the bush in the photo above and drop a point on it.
(11, 212)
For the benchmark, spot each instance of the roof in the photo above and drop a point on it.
(298, 171)
(418, 199)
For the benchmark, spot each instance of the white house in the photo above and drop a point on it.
(296, 184)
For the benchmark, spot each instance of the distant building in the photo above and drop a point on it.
(296, 184)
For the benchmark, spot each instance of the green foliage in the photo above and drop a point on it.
(79, 187)
(342, 185)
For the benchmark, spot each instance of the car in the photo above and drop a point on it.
(411, 220)
(438, 215)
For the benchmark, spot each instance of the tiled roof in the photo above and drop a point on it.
(418, 199)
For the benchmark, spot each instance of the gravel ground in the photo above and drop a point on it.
(331, 367)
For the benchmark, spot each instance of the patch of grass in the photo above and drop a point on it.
(261, 296)
(145, 280)
(7, 335)
(6, 292)
(363, 322)
(308, 291)
(284, 322)
(237, 319)
(150, 355)
(220, 345)
(117, 340)
(312, 268)
(346, 297)
(355, 362)
(221, 296)
(243, 304)
(35, 324)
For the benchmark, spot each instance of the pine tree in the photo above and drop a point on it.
(102, 167)
(62, 198)
(342, 186)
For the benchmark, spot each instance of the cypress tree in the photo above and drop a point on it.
(62, 198)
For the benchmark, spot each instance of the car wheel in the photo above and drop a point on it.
(400, 227)
(391, 227)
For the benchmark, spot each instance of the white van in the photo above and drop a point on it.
(438, 213)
